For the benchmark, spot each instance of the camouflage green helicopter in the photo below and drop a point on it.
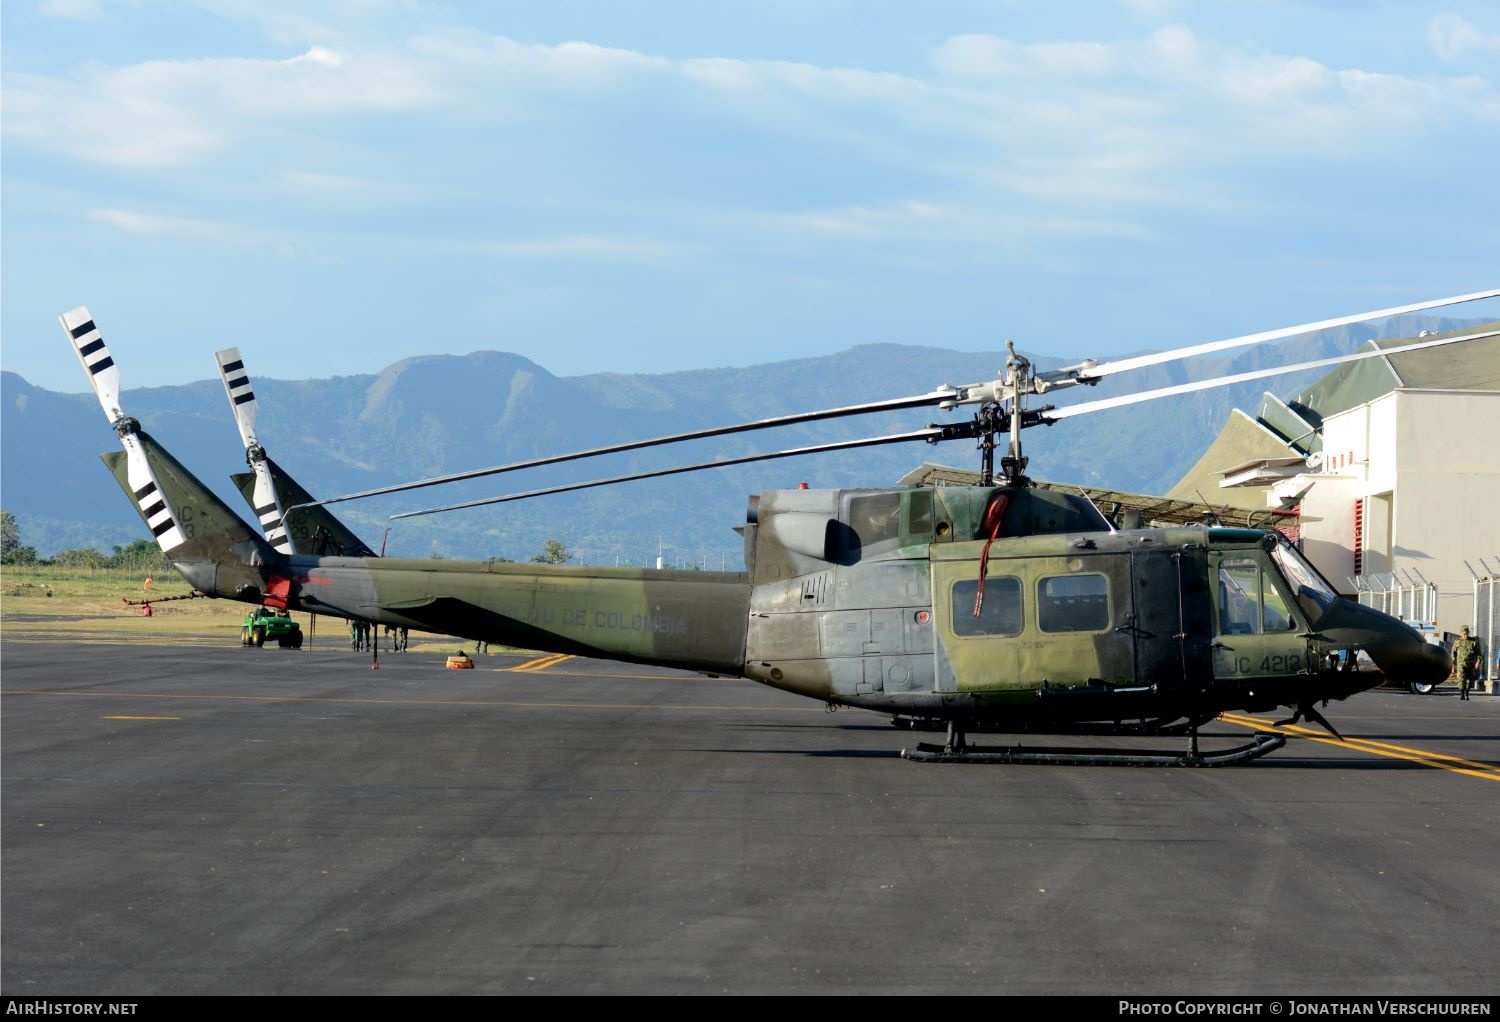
(996, 607)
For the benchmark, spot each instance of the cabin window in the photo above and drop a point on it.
(999, 613)
(872, 527)
(1073, 603)
(1249, 604)
(1313, 592)
(919, 511)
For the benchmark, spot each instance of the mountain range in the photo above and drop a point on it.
(436, 414)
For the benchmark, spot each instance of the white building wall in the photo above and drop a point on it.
(1328, 525)
(1446, 462)
(1386, 456)
(1427, 465)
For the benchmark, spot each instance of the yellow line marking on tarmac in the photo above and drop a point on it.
(674, 678)
(123, 717)
(540, 663)
(1437, 760)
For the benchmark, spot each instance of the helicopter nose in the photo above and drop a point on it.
(1398, 649)
(1426, 663)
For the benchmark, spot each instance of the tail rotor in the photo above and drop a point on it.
(267, 506)
(104, 375)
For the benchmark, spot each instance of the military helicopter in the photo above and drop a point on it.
(996, 607)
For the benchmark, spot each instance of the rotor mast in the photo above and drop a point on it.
(1002, 408)
(1018, 378)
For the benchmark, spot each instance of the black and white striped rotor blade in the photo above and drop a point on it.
(1141, 361)
(266, 504)
(88, 345)
(241, 394)
(268, 510)
(1123, 400)
(104, 376)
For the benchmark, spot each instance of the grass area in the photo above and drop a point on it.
(39, 603)
(100, 594)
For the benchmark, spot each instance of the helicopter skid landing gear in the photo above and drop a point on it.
(959, 752)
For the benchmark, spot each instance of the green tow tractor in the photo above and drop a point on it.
(268, 624)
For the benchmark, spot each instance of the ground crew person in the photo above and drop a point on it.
(1465, 662)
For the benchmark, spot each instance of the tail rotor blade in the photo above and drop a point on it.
(149, 498)
(268, 510)
(241, 395)
(267, 505)
(88, 345)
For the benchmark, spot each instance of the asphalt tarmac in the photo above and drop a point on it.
(196, 820)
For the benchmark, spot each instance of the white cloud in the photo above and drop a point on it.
(582, 246)
(166, 113)
(721, 72)
(1452, 38)
(1074, 57)
(73, 10)
(130, 126)
(1175, 44)
(1095, 135)
(158, 225)
(916, 221)
(1152, 8)
(462, 63)
(318, 55)
(986, 56)
(1276, 79)
(323, 186)
(979, 56)
(901, 219)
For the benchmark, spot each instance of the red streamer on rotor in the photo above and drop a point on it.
(991, 525)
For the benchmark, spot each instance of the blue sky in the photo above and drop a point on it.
(332, 185)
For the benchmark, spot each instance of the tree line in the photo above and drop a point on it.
(145, 554)
(137, 555)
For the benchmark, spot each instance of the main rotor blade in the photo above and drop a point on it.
(1140, 361)
(946, 396)
(939, 396)
(1224, 381)
(931, 434)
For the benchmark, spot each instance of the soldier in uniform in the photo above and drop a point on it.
(1465, 662)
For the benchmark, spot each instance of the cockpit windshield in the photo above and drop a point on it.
(1313, 591)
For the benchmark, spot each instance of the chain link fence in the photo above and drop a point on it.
(1404, 595)
(1486, 618)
